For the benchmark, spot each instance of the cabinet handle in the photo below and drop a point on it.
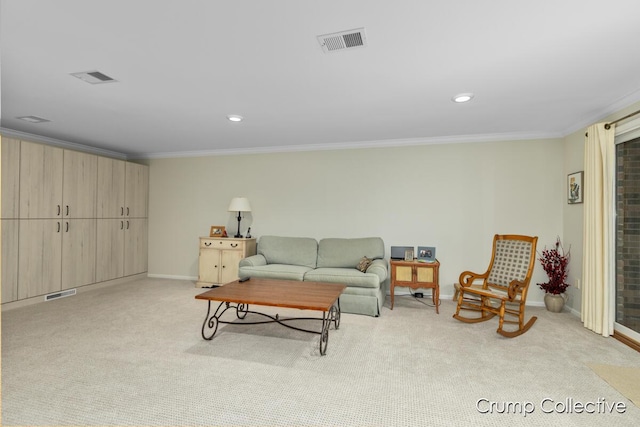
(215, 266)
(59, 210)
(67, 210)
(127, 225)
(58, 226)
(207, 243)
(127, 210)
(121, 210)
(67, 228)
(121, 225)
(233, 245)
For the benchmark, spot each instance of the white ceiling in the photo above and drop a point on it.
(537, 68)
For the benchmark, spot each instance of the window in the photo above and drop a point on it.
(627, 240)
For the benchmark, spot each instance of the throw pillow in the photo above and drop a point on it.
(364, 264)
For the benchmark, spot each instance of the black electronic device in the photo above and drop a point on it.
(397, 252)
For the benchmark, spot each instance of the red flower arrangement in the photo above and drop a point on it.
(555, 262)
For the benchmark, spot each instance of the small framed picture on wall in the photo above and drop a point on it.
(575, 187)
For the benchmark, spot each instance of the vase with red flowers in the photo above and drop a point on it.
(555, 262)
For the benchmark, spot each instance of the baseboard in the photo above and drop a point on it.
(168, 276)
(40, 298)
(626, 340)
(450, 297)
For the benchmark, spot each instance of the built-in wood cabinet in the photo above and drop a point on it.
(110, 250)
(136, 190)
(78, 252)
(9, 259)
(40, 181)
(64, 219)
(79, 181)
(111, 182)
(122, 224)
(40, 257)
(219, 259)
(10, 178)
(135, 246)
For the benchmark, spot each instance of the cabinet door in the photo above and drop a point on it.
(80, 179)
(40, 181)
(10, 178)
(424, 274)
(40, 257)
(209, 265)
(136, 190)
(404, 273)
(110, 250)
(229, 261)
(135, 246)
(110, 188)
(78, 252)
(9, 260)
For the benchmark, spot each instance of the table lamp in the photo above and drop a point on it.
(239, 204)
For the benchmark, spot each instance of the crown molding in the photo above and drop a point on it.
(387, 143)
(616, 107)
(60, 143)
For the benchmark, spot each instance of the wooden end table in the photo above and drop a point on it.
(416, 275)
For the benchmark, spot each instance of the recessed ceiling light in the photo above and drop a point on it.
(235, 118)
(33, 119)
(462, 97)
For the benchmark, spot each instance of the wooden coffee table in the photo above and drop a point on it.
(275, 293)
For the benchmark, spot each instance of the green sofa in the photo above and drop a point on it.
(329, 260)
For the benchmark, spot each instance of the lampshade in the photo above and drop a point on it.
(239, 204)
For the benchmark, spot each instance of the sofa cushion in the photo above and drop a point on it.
(345, 276)
(275, 271)
(345, 253)
(289, 250)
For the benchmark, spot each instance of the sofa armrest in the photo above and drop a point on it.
(253, 261)
(379, 267)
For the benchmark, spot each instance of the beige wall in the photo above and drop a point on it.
(572, 217)
(452, 196)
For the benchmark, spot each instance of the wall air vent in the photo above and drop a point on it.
(33, 119)
(343, 40)
(62, 294)
(93, 77)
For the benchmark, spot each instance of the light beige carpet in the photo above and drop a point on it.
(624, 379)
(132, 355)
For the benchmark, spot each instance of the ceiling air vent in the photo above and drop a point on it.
(93, 77)
(33, 119)
(343, 40)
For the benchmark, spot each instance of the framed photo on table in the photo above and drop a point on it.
(575, 187)
(426, 253)
(217, 231)
(408, 255)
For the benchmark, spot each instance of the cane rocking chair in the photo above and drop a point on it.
(502, 289)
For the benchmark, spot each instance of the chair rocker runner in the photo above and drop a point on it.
(503, 287)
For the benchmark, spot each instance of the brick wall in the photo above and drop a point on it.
(628, 234)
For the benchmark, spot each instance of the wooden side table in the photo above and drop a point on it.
(219, 258)
(415, 275)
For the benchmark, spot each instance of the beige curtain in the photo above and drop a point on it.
(598, 292)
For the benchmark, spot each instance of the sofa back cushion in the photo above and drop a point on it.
(347, 253)
(289, 250)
